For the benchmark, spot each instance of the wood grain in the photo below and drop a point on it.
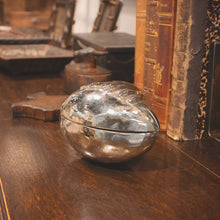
(44, 178)
(39, 106)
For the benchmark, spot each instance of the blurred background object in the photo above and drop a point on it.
(37, 13)
(87, 10)
(107, 15)
(28, 13)
(1, 12)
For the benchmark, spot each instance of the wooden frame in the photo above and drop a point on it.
(61, 21)
(107, 17)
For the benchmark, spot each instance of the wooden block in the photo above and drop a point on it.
(39, 106)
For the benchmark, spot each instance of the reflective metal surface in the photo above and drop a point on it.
(108, 122)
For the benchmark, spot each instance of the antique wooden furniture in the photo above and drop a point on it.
(59, 32)
(44, 178)
(38, 57)
(33, 58)
(61, 22)
(77, 75)
(107, 16)
(83, 70)
(116, 51)
(23, 35)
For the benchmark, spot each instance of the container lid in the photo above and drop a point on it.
(115, 106)
(108, 41)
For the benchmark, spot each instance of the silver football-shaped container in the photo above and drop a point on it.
(108, 122)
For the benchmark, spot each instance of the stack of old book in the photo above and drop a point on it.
(173, 40)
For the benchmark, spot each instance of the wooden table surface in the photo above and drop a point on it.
(44, 178)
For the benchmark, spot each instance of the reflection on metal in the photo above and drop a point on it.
(108, 121)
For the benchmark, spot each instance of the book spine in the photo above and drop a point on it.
(186, 70)
(140, 41)
(151, 48)
(158, 56)
(164, 61)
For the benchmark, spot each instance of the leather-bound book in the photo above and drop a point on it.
(140, 42)
(151, 48)
(208, 119)
(159, 37)
(186, 70)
